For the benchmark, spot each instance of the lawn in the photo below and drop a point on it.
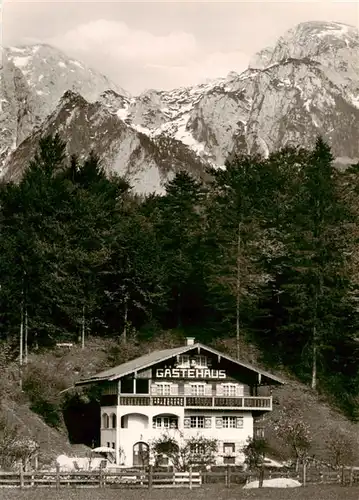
(319, 492)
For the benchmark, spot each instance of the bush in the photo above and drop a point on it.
(43, 388)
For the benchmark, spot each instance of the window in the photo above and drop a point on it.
(164, 423)
(108, 444)
(105, 421)
(229, 422)
(198, 449)
(183, 361)
(229, 389)
(259, 432)
(113, 421)
(113, 445)
(228, 448)
(201, 361)
(142, 386)
(163, 389)
(197, 422)
(197, 389)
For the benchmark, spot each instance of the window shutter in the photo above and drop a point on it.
(239, 390)
(187, 423)
(219, 390)
(208, 389)
(239, 422)
(187, 390)
(219, 422)
(174, 390)
(208, 422)
(154, 390)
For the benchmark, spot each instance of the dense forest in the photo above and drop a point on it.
(266, 251)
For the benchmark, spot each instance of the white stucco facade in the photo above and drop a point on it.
(198, 393)
(137, 426)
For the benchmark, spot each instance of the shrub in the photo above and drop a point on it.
(43, 388)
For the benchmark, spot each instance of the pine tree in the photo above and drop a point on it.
(178, 221)
(232, 227)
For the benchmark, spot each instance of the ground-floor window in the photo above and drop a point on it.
(198, 449)
(197, 422)
(165, 423)
(229, 422)
(228, 448)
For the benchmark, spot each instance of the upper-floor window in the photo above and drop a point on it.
(229, 389)
(163, 389)
(201, 361)
(183, 361)
(197, 389)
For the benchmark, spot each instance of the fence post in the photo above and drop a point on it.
(261, 477)
(342, 478)
(190, 477)
(150, 476)
(21, 475)
(304, 472)
(57, 476)
(173, 475)
(104, 479)
(351, 480)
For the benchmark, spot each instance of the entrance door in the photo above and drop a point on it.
(140, 454)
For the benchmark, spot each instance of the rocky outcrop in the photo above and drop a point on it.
(147, 163)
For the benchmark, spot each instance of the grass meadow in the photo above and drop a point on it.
(317, 492)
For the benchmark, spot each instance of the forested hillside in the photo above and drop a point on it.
(265, 252)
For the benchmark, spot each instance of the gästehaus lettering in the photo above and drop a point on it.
(190, 373)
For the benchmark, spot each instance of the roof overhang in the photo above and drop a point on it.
(264, 378)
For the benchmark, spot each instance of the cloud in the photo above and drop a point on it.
(166, 61)
(118, 40)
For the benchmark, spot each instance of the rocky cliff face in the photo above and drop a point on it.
(147, 163)
(32, 81)
(306, 85)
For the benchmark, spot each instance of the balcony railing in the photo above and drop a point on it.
(248, 402)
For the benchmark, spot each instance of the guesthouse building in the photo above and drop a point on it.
(181, 392)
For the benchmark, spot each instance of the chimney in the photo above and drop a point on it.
(190, 340)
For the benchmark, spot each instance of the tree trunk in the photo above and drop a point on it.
(179, 308)
(83, 328)
(21, 340)
(26, 338)
(314, 360)
(125, 316)
(238, 288)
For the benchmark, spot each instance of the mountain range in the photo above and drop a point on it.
(306, 85)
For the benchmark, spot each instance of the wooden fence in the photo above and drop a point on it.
(226, 476)
(346, 476)
(100, 479)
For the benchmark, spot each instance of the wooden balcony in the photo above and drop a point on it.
(194, 402)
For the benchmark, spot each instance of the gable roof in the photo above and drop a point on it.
(154, 357)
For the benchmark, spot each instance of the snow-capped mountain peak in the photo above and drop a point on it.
(306, 85)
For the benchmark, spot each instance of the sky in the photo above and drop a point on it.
(166, 44)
